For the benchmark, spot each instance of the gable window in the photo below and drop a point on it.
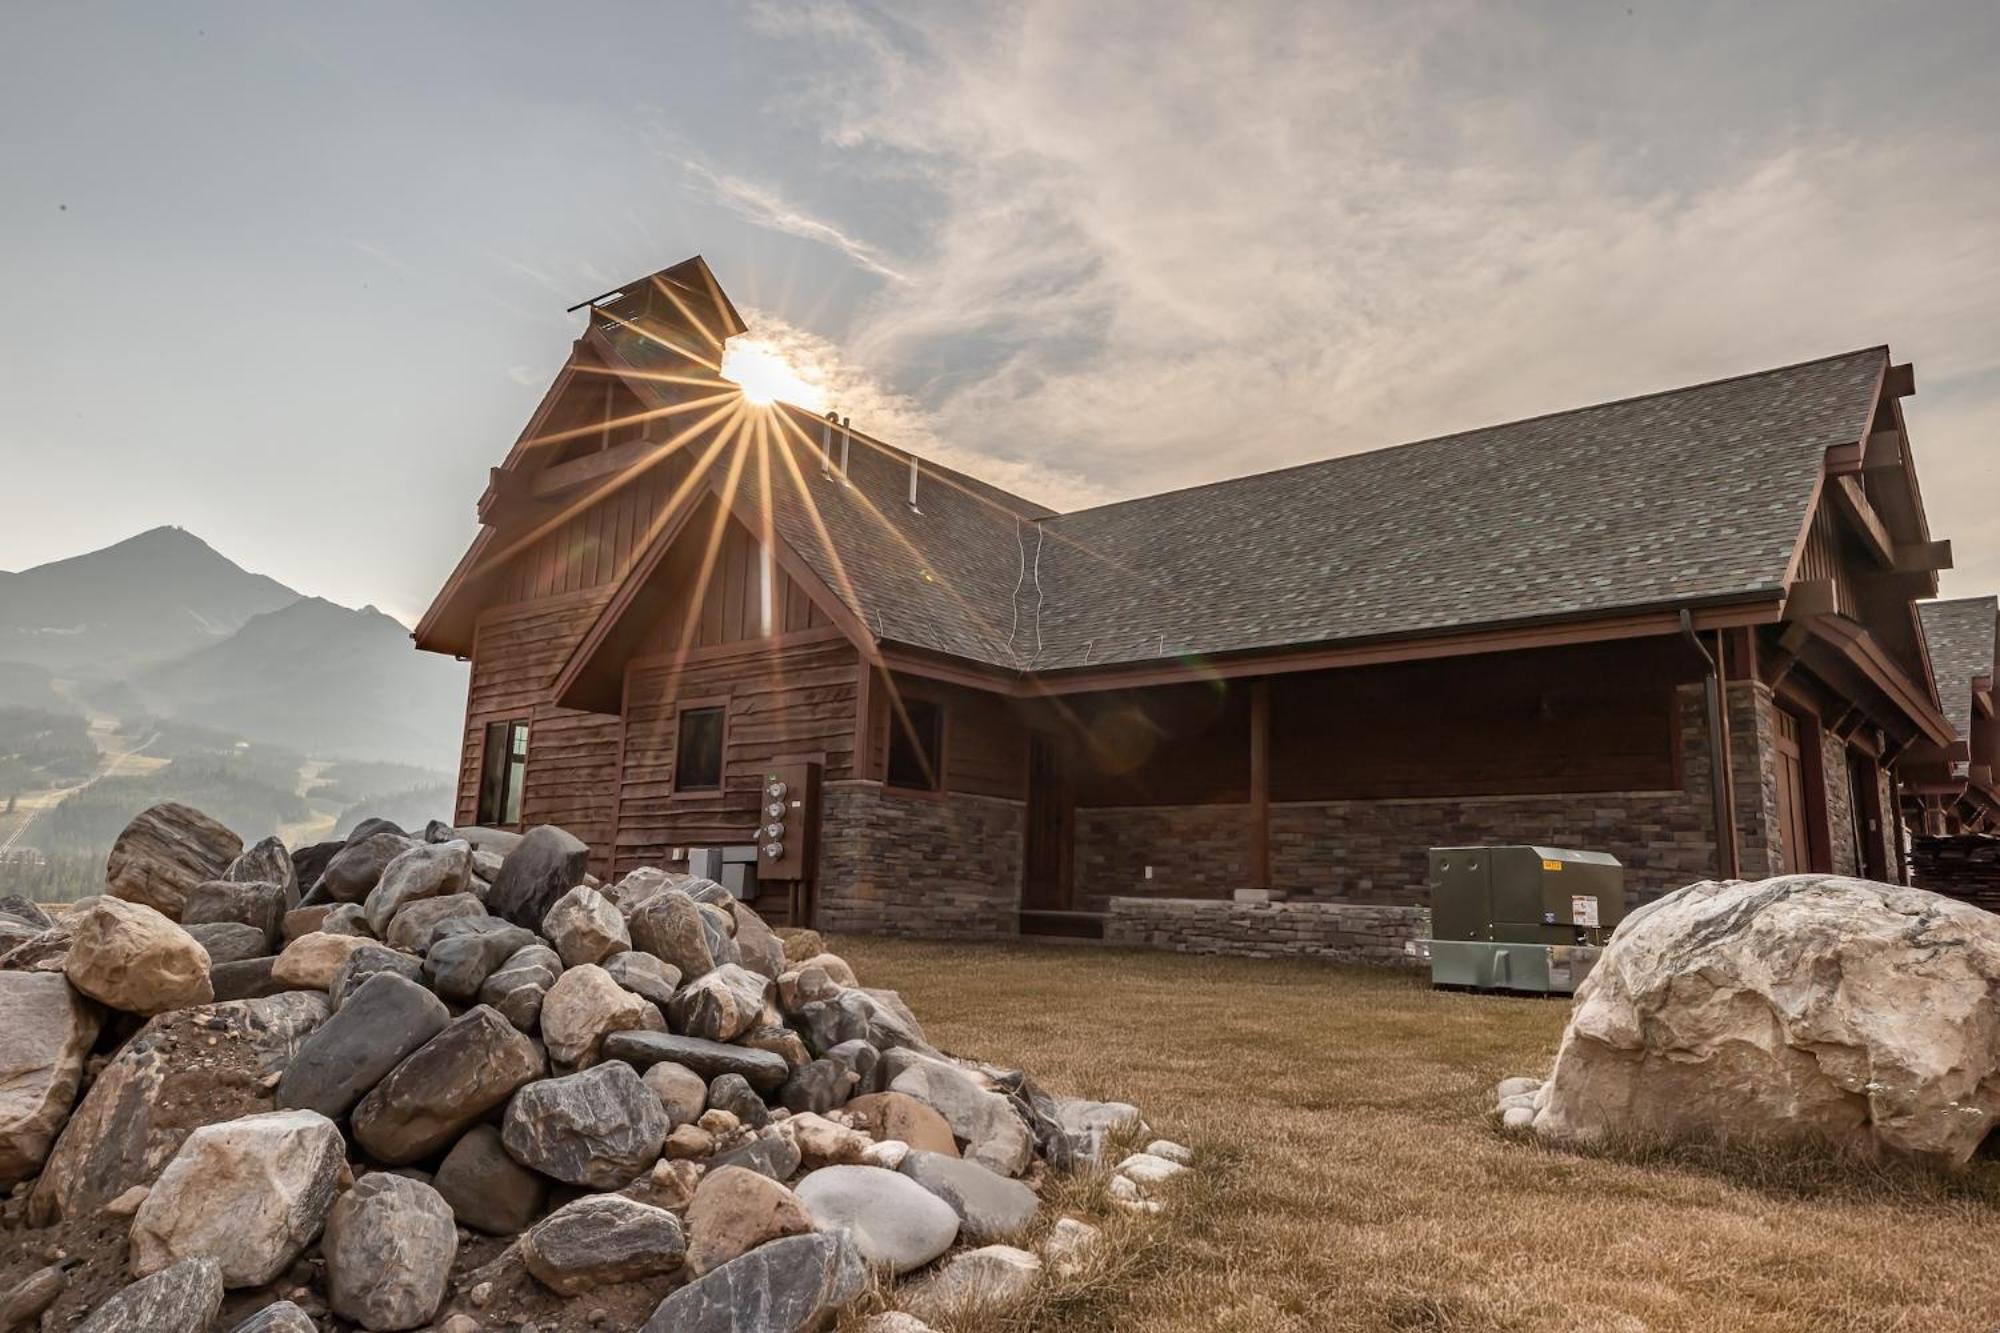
(503, 773)
(698, 750)
(916, 746)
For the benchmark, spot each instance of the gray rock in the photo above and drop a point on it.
(985, 1121)
(259, 904)
(582, 1008)
(448, 1083)
(46, 1032)
(786, 1286)
(600, 1128)
(488, 1190)
(761, 1069)
(721, 1005)
(278, 1317)
(548, 863)
(181, 1299)
(373, 825)
(345, 919)
(643, 974)
(756, 946)
(426, 870)
(417, 926)
(601, 1240)
(389, 1248)
(267, 863)
(439, 831)
(357, 868)
(893, 1221)
(633, 890)
(774, 1155)
(1088, 1125)
(861, 1060)
(310, 863)
(856, 1015)
(367, 961)
(164, 852)
(16, 908)
(465, 951)
(976, 1280)
(228, 942)
(676, 929)
(249, 979)
(733, 1093)
(585, 927)
(250, 1194)
(520, 984)
(820, 1087)
(989, 1206)
(387, 1017)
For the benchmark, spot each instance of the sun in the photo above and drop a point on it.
(766, 375)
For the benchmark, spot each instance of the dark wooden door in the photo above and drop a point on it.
(1864, 784)
(1793, 831)
(1045, 875)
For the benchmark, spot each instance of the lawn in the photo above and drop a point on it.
(1351, 1177)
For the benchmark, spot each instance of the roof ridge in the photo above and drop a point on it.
(1989, 599)
(1474, 430)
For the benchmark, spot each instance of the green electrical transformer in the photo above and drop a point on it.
(1528, 919)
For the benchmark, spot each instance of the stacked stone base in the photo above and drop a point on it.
(1363, 933)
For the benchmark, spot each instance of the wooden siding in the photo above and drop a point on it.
(730, 606)
(572, 767)
(594, 547)
(786, 700)
(1828, 556)
(985, 737)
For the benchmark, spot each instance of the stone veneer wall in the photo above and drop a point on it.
(1336, 932)
(897, 864)
(1839, 803)
(1376, 851)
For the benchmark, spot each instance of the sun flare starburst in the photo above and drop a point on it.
(766, 375)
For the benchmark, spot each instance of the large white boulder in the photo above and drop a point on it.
(1810, 1006)
(46, 1030)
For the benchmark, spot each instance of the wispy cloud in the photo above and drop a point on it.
(764, 206)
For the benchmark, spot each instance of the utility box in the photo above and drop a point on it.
(1521, 918)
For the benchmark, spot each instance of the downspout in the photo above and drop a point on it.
(1727, 864)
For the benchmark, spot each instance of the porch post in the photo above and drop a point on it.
(1260, 784)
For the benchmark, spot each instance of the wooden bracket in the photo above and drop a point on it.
(1901, 381)
(1811, 597)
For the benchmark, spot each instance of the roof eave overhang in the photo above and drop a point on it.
(1858, 648)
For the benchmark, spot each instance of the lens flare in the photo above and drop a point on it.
(766, 376)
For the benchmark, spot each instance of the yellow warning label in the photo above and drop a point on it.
(1552, 865)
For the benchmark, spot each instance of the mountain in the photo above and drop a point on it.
(147, 599)
(321, 678)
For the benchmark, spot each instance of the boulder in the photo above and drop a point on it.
(585, 927)
(417, 926)
(278, 1317)
(228, 942)
(180, 1299)
(1068, 1246)
(345, 919)
(1087, 1126)
(223, 1058)
(311, 962)
(305, 920)
(600, 1240)
(386, 1018)
(803, 986)
(310, 863)
(896, 1115)
(164, 852)
(630, 892)
(861, 1061)
(488, 1190)
(670, 927)
(250, 1194)
(819, 1086)
(373, 825)
(721, 1005)
(893, 1221)
(389, 1248)
(984, 1121)
(425, 870)
(645, 975)
(800, 944)
(131, 957)
(761, 1069)
(13, 907)
(682, 1093)
(976, 1279)
(355, 870)
(735, 1211)
(547, 863)
(775, 1155)
(823, 1142)
(246, 979)
(444, 1086)
(989, 1206)
(598, 1128)
(467, 951)
(254, 903)
(22, 1303)
(778, 1039)
(733, 1093)
(582, 1008)
(366, 961)
(1809, 1007)
(518, 987)
(1147, 1171)
(756, 947)
(46, 1032)
(787, 1286)
(832, 964)
(266, 863)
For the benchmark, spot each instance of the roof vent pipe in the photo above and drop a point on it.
(846, 438)
(826, 444)
(913, 484)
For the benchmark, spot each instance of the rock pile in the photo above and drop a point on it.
(1809, 1007)
(460, 1083)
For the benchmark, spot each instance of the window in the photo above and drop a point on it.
(503, 773)
(916, 745)
(698, 750)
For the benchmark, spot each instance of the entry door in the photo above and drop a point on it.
(1866, 803)
(1792, 828)
(1045, 874)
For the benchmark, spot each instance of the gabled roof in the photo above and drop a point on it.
(1960, 636)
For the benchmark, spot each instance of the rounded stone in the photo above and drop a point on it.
(892, 1220)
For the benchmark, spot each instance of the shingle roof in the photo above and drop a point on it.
(1681, 497)
(1959, 635)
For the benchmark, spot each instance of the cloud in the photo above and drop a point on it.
(765, 207)
(1233, 239)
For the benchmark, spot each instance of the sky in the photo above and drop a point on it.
(293, 276)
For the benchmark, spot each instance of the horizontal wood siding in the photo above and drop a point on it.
(785, 701)
(985, 737)
(572, 756)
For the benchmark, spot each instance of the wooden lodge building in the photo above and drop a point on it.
(1961, 794)
(1680, 628)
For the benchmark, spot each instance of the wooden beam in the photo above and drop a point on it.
(1790, 644)
(1260, 784)
(1811, 597)
(1844, 460)
(1883, 450)
(577, 472)
(1922, 558)
(1901, 381)
(1854, 503)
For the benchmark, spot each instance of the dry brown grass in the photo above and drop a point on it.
(1351, 1177)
